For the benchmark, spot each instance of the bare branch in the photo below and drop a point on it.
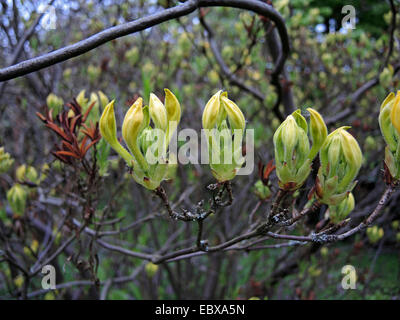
(104, 36)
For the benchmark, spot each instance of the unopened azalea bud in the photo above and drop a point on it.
(235, 115)
(289, 136)
(318, 132)
(103, 99)
(26, 173)
(131, 128)
(81, 99)
(262, 191)
(342, 210)
(158, 113)
(395, 113)
(341, 160)
(353, 156)
(385, 78)
(374, 234)
(389, 122)
(172, 106)
(146, 139)
(16, 197)
(54, 103)
(151, 269)
(385, 122)
(225, 149)
(370, 143)
(5, 161)
(211, 111)
(324, 252)
(148, 145)
(107, 124)
(108, 130)
(292, 148)
(133, 123)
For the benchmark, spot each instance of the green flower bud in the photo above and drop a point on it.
(374, 234)
(395, 113)
(262, 191)
(385, 123)
(324, 252)
(292, 147)
(16, 197)
(151, 269)
(342, 210)
(225, 149)
(341, 160)
(144, 141)
(5, 161)
(389, 122)
(385, 78)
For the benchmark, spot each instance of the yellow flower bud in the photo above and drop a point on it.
(108, 130)
(235, 115)
(211, 111)
(395, 113)
(318, 132)
(172, 106)
(151, 269)
(103, 99)
(351, 150)
(173, 113)
(389, 122)
(54, 103)
(388, 100)
(131, 127)
(81, 99)
(107, 125)
(158, 113)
